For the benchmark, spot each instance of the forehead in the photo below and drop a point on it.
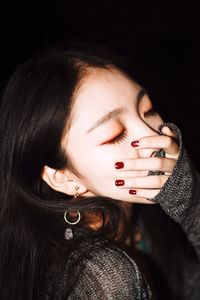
(101, 91)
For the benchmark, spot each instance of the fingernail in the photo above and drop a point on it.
(135, 144)
(119, 165)
(119, 182)
(132, 192)
(165, 127)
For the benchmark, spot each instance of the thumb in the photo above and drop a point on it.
(167, 131)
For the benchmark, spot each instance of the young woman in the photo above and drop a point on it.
(81, 148)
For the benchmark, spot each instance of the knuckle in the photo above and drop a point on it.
(134, 164)
(130, 183)
(168, 141)
(159, 181)
(131, 165)
(171, 164)
(159, 163)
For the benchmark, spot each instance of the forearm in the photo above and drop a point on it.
(180, 196)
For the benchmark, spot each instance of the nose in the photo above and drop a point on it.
(145, 130)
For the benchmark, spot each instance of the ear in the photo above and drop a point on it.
(62, 181)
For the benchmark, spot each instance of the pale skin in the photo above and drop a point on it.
(95, 148)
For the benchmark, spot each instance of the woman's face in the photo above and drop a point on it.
(110, 112)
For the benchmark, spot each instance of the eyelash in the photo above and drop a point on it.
(122, 136)
(119, 138)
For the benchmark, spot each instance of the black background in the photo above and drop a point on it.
(162, 39)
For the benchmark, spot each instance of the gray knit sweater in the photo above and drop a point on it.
(107, 272)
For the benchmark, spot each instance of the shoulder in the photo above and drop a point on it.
(107, 255)
(107, 272)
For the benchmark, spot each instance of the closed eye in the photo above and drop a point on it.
(118, 139)
(123, 135)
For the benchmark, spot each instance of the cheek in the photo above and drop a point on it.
(97, 168)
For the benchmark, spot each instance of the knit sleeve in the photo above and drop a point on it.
(180, 196)
(109, 273)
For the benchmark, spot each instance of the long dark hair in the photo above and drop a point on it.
(35, 109)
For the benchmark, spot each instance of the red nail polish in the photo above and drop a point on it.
(119, 165)
(119, 182)
(132, 192)
(135, 144)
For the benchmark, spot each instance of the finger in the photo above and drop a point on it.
(147, 182)
(141, 200)
(167, 131)
(157, 142)
(146, 164)
(147, 194)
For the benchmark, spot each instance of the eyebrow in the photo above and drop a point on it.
(116, 111)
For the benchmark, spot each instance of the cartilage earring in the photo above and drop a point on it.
(76, 194)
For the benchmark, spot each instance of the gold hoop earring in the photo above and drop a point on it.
(68, 231)
(72, 223)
